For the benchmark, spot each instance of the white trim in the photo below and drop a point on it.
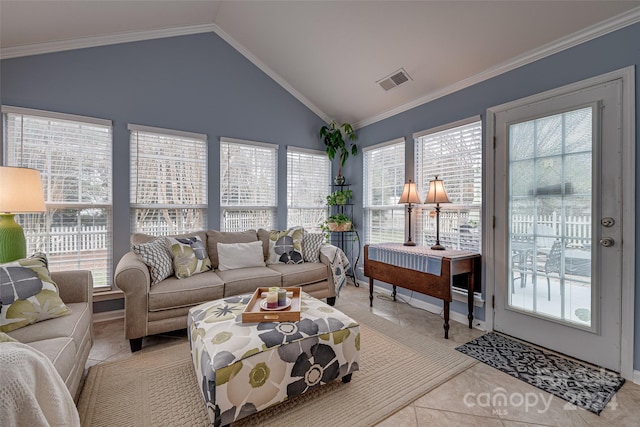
(53, 115)
(448, 126)
(627, 75)
(105, 316)
(293, 148)
(163, 131)
(431, 308)
(224, 139)
(85, 42)
(636, 377)
(598, 30)
(401, 140)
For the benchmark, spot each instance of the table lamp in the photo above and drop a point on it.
(20, 192)
(437, 194)
(409, 195)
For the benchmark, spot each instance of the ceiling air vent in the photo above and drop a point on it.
(395, 79)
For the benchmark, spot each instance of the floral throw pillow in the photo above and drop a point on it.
(27, 293)
(285, 247)
(189, 256)
(155, 254)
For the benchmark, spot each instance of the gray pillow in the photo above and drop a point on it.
(155, 254)
(311, 243)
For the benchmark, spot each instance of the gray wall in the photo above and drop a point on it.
(611, 52)
(195, 83)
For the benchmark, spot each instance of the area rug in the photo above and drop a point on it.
(584, 386)
(158, 388)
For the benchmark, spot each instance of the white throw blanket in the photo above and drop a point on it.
(31, 391)
(339, 264)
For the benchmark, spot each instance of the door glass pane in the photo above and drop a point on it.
(550, 210)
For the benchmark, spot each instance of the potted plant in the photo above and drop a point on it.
(334, 136)
(337, 222)
(339, 197)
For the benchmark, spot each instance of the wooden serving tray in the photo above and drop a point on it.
(253, 313)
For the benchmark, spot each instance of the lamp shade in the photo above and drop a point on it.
(20, 190)
(437, 193)
(409, 193)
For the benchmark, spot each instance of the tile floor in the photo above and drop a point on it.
(479, 396)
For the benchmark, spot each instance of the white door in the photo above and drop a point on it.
(558, 235)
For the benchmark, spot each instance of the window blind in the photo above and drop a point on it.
(308, 180)
(73, 155)
(248, 185)
(168, 181)
(383, 183)
(455, 155)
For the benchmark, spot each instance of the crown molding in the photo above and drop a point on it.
(269, 72)
(613, 24)
(58, 46)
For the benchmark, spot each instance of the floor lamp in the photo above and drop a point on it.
(437, 194)
(409, 195)
(20, 192)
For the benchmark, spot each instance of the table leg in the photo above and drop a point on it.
(393, 294)
(370, 292)
(446, 320)
(470, 288)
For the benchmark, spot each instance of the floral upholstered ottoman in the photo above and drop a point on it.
(243, 368)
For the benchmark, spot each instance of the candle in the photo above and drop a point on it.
(272, 299)
(273, 289)
(282, 297)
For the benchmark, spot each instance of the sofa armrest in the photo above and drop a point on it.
(74, 285)
(332, 288)
(132, 277)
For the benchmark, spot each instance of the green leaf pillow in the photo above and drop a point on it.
(27, 293)
(189, 256)
(285, 247)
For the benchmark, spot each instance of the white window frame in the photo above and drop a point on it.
(188, 209)
(393, 229)
(460, 220)
(67, 246)
(260, 208)
(307, 187)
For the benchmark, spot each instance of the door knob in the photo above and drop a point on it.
(607, 242)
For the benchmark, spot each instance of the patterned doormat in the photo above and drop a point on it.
(584, 386)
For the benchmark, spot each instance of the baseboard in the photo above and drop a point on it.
(431, 308)
(108, 315)
(636, 377)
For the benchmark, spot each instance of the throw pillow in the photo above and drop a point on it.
(189, 256)
(285, 247)
(311, 243)
(27, 293)
(6, 338)
(155, 254)
(240, 255)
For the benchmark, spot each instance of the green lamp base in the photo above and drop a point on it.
(13, 246)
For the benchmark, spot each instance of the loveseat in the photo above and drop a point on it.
(153, 308)
(65, 340)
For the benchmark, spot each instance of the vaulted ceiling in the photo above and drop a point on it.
(331, 54)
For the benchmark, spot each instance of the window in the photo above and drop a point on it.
(308, 178)
(73, 155)
(248, 185)
(454, 153)
(168, 181)
(383, 184)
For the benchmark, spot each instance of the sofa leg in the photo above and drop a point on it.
(331, 301)
(135, 344)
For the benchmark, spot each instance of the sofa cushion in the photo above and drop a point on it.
(62, 353)
(73, 326)
(301, 274)
(246, 280)
(28, 294)
(240, 255)
(6, 338)
(138, 238)
(189, 256)
(285, 247)
(174, 293)
(214, 237)
(156, 255)
(311, 243)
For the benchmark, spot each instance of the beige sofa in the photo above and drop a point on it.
(66, 340)
(164, 306)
